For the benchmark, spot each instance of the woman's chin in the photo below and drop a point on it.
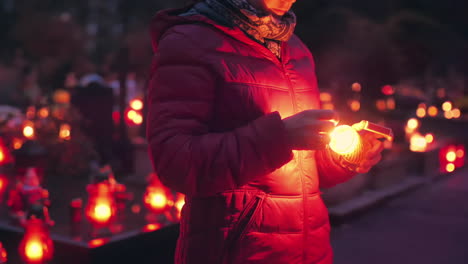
(278, 12)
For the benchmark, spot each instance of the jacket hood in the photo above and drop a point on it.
(165, 19)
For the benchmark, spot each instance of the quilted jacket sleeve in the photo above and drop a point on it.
(330, 172)
(186, 155)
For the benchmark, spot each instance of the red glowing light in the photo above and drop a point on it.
(136, 208)
(101, 206)
(3, 254)
(451, 158)
(388, 90)
(157, 197)
(356, 87)
(5, 156)
(116, 117)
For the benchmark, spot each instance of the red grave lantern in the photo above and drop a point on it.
(37, 246)
(157, 198)
(3, 254)
(5, 155)
(101, 208)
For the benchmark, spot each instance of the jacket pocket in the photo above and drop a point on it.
(243, 224)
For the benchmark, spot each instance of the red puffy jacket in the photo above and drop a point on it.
(216, 100)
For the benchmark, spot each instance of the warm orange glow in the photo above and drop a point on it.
(421, 112)
(381, 105)
(131, 114)
(355, 105)
(432, 111)
(34, 250)
(151, 227)
(456, 113)
(101, 208)
(447, 106)
(328, 106)
(2, 156)
(17, 143)
(102, 212)
(2, 184)
(460, 153)
(61, 97)
(418, 143)
(325, 97)
(36, 245)
(450, 167)
(429, 138)
(344, 140)
(448, 114)
(97, 242)
(43, 112)
(136, 104)
(157, 200)
(451, 156)
(391, 104)
(28, 130)
(138, 119)
(413, 124)
(179, 204)
(65, 132)
(356, 87)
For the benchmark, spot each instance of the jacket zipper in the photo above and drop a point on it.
(241, 227)
(292, 93)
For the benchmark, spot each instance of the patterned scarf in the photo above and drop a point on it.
(259, 25)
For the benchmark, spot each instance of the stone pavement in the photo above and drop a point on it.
(426, 226)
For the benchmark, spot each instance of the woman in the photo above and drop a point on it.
(234, 123)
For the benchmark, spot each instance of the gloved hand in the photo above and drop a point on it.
(308, 130)
(372, 156)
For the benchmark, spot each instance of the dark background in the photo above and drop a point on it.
(422, 42)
